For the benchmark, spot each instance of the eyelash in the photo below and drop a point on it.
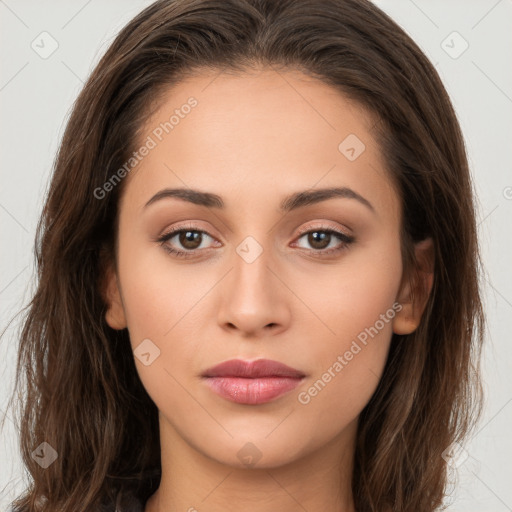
(345, 239)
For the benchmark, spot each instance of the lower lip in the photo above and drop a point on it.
(252, 391)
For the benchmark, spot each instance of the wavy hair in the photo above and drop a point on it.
(81, 391)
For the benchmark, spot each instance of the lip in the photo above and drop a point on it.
(252, 382)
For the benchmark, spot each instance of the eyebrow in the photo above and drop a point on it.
(291, 202)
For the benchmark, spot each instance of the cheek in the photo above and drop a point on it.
(356, 304)
(159, 296)
(348, 298)
(163, 304)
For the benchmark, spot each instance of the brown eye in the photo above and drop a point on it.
(184, 242)
(324, 242)
(319, 239)
(190, 239)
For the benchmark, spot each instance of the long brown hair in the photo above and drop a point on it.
(82, 392)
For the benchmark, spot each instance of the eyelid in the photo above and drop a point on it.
(323, 227)
(184, 227)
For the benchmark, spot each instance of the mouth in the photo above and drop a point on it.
(252, 383)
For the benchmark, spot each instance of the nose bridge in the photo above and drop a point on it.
(253, 296)
(252, 277)
(251, 272)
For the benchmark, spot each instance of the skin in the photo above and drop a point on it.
(245, 135)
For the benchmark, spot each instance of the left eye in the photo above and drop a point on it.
(320, 239)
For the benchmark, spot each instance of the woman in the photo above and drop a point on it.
(258, 271)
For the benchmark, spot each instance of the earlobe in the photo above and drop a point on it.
(405, 322)
(114, 315)
(414, 292)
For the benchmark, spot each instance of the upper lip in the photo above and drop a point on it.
(252, 369)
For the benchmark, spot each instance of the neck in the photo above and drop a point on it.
(191, 481)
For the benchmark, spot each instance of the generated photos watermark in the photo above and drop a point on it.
(150, 143)
(304, 397)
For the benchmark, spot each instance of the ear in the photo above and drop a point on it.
(115, 315)
(415, 290)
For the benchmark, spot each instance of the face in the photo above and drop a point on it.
(258, 271)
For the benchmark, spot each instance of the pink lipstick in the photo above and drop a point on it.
(252, 382)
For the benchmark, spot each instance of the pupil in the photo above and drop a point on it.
(189, 239)
(319, 240)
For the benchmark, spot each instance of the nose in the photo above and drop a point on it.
(254, 300)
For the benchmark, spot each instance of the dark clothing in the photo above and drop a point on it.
(132, 496)
(127, 502)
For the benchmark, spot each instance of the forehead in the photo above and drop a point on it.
(267, 130)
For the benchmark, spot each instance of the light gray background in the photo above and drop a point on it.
(35, 99)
